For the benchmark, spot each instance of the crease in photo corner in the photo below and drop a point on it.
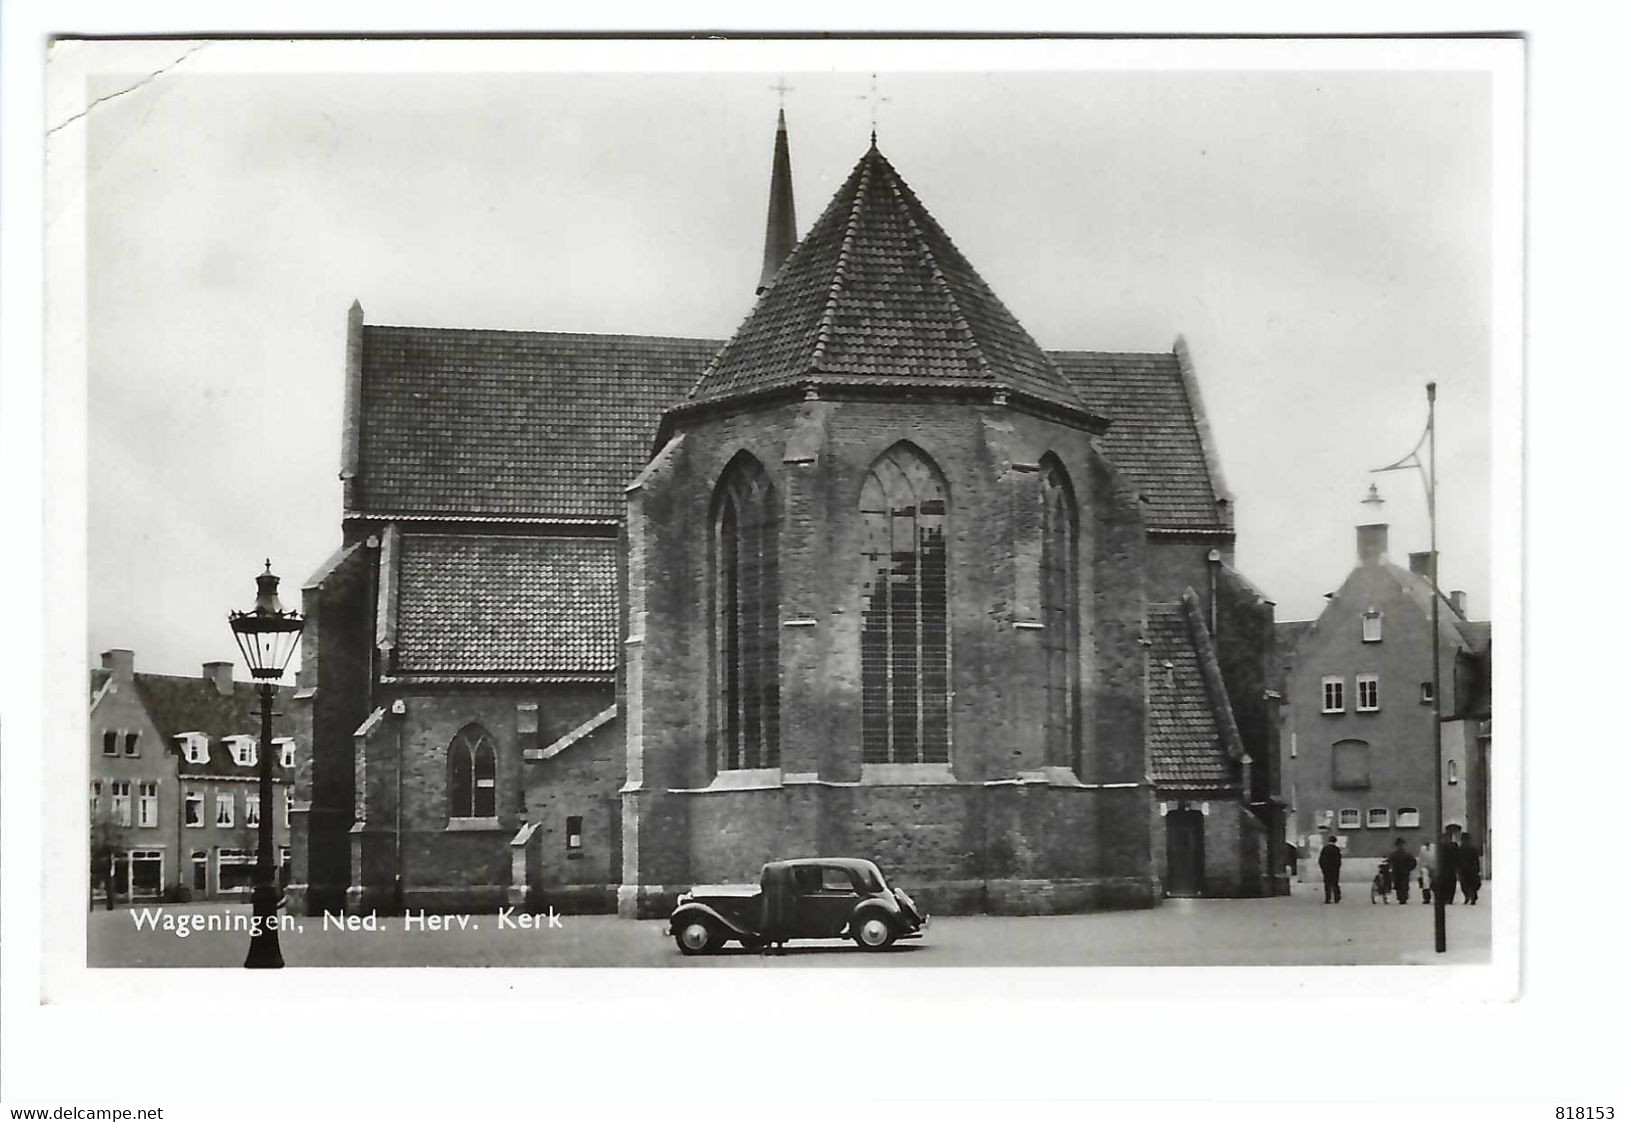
(821, 436)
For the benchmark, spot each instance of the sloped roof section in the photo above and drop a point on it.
(507, 605)
(1185, 748)
(177, 704)
(877, 294)
(510, 423)
(1154, 436)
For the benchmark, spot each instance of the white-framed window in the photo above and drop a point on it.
(110, 742)
(287, 810)
(285, 749)
(1323, 819)
(132, 743)
(146, 810)
(1450, 772)
(251, 808)
(1331, 694)
(194, 747)
(572, 832)
(1407, 818)
(1365, 697)
(244, 750)
(1427, 693)
(234, 869)
(1376, 818)
(1348, 818)
(1371, 626)
(192, 808)
(225, 808)
(95, 798)
(121, 801)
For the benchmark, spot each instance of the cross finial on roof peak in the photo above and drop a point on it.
(875, 101)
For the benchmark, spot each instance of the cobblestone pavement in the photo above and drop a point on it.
(1295, 930)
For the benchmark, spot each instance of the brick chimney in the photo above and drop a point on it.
(1372, 541)
(121, 662)
(1458, 601)
(220, 674)
(1426, 564)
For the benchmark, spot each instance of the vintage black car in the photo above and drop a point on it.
(808, 898)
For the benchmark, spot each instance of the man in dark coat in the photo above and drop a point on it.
(1331, 868)
(1444, 881)
(1469, 869)
(1400, 864)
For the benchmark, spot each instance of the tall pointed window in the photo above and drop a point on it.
(745, 632)
(1058, 575)
(905, 610)
(471, 781)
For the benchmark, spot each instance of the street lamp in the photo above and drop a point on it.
(1430, 480)
(267, 636)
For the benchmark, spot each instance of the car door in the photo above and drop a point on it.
(826, 895)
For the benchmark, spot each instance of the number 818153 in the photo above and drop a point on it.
(1584, 1113)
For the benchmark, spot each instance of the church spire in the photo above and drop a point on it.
(781, 210)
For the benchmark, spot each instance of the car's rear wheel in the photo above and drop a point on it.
(697, 935)
(873, 932)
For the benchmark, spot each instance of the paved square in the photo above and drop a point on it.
(1295, 930)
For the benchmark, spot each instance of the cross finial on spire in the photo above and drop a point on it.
(875, 100)
(781, 89)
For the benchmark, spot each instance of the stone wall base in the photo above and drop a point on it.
(1034, 897)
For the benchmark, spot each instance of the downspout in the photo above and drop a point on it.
(400, 788)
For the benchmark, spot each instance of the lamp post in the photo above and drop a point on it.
(1430, 482)
(267, 636)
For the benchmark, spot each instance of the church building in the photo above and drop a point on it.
(878, 576)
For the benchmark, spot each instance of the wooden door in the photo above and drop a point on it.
(1185, 854)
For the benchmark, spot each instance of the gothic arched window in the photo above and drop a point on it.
(1058, 576)
(471, 779)
(745, 632)
(905, 610)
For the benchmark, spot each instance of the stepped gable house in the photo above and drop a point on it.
(616, 615)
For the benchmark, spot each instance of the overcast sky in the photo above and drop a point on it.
(1321, 239)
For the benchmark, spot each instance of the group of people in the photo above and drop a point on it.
(1457, 863)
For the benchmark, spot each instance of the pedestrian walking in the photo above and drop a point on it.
(1469, 869)
(1331, 868)
(1400, 864)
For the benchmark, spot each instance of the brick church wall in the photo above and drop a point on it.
(979, 837)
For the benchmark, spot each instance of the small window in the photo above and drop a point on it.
(194, 747)
(286, 746)
(572, 832)
(193, 808)
(1407, 818)
(110, 743)
(1376, 818)
(1323, 819)
(251, 808)
(95, 798)
(1450, 772)
(147, 807)
(1371, 626)
(1427, 693)
(121, 801)
(224, 809)
(1331, 695)
(132, 743)
(1366, 693)
(1348, 818)
(287, 810)
(245, 751)
(200, 871)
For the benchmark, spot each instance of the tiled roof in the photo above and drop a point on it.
(507, 605)
(177, 704)
(1154, 437)
(1184, 746)
(512, 423)
(877, 293)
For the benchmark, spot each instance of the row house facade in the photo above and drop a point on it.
(174, 793)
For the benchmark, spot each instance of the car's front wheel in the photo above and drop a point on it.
(873, 932)
(697, 935)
